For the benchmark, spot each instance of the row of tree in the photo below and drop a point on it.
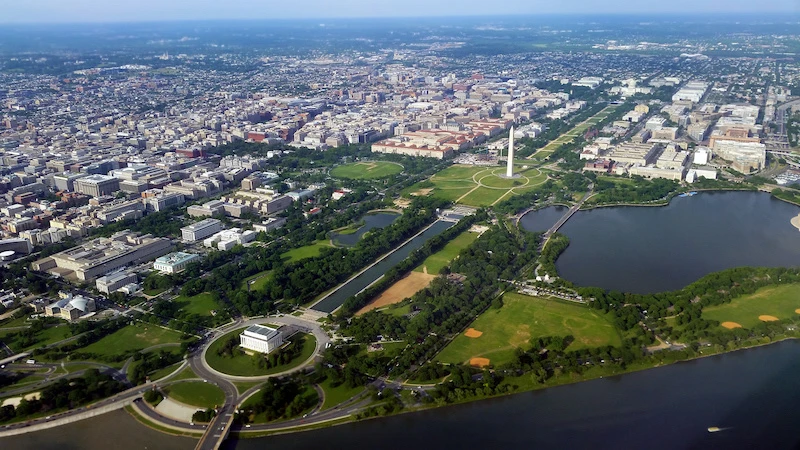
(65, 394)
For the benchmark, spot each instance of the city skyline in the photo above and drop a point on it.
(91, 11)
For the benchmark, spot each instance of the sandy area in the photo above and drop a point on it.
(479, 362)
(176, 410)
(406, 287)
(766, 318)
(797, 310)
(730, 325)
(796, 221)
(473, 333)
(15, 401)
(402, 203)
(422, 192)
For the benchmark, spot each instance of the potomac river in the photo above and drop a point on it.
(752, 395)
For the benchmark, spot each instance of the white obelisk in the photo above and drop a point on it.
(510, 167)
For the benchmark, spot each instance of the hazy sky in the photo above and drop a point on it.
(147, 10)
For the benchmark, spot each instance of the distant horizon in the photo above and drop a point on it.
(793, 16)
(48, 12)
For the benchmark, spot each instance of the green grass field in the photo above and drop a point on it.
(778, 301)
(132, 338)
(153, 292)
(44, 337)
(475, 185)
(576, 131)
(338, 394)
(197, 393)
(258, 280)
(308, 251)
(200, 304)
(13, 323)
(522, 318)
(367, 170)
(442, 258)
(161, 373)
(245, 365)
(482, 197)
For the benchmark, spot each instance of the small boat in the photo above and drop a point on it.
(714, 429)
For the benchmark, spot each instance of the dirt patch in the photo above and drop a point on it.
(406, 287)
(422, 192)
(473, 333)
(797, 310)
(402, 203)
(479, 362)
(766, 318)
(730, 325)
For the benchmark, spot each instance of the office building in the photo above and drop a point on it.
(225, 240)
(103, 255)
(174, 262)
(200, 230)
(97, 185)
(110, 283)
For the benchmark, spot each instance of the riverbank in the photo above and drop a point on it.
(565, 380)
(666, 200)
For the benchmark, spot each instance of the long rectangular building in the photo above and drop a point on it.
(201, 230)
(103, 255)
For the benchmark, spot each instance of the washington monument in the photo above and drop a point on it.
(510, 166)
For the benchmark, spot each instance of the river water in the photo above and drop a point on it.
(368, 277)
(751, 394)
(655, 249)
(371, 221)
(542, 219)
(115, 430)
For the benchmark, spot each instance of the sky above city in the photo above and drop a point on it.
(159, 10)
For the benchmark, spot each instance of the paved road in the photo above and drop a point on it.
(566, 217)
(217, 429)
(221, 424)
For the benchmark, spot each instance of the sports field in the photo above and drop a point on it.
(476, 185)
(133, 337)
(367, 170)
(772, 302)
(577, 131)
(441, 259)
(498, 332)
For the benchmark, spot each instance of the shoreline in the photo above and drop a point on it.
(244, 434)
(668, 199)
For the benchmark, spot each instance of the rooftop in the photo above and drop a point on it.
(262, 331)
(175, 258)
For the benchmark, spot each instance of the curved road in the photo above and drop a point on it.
(217, 430)
(222, 422)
